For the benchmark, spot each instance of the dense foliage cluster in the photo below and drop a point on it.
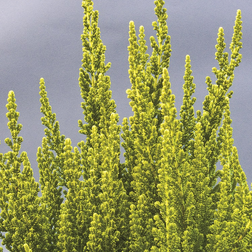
(167, 195)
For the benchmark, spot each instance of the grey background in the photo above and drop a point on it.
(42, 39)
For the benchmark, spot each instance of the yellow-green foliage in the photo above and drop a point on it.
(165, 196)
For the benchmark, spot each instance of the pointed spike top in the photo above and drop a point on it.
(11, 93)
(68, 141)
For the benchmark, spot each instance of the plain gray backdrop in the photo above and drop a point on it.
(42, 39)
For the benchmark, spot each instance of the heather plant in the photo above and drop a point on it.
(167, 195)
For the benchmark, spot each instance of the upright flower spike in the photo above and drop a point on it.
(14, 128)
(166, 232)
(187, 111)
(141, 138)
(161, 52)
(55, 139)
(236, 43)
(51, 169)
(92, 73)
(102, 140)
(20, 217)
(215, 102)
(150, 72)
